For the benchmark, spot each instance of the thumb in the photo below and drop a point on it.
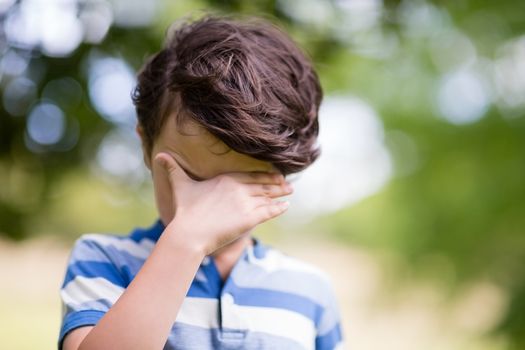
(175, 172)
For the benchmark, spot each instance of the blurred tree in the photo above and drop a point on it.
(446, 78)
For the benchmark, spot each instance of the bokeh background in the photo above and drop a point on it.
(416, 207)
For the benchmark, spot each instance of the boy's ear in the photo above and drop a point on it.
(145, 153)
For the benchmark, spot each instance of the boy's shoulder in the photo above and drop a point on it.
(276, 259)
(112, 245)
(291, 273)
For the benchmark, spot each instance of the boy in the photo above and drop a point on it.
(225, 111)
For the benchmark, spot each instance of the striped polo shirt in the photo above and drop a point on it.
(269, 300)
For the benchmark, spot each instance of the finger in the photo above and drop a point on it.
(270, 210)
(174, 170)
(257, 177)
(270, 190)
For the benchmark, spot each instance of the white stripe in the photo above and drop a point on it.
(278, 322)
(201, 312)
(201, 276)
(84, 289)
(204, 312)
(140, 250)
(340, 345)
(275, 260)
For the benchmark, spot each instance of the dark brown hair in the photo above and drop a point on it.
(244, 80)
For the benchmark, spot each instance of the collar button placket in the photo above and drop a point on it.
(232, 327)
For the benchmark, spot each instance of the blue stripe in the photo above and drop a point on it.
(92, 269)
(78, 319)
(277, 299)
(153, 232)
(209, 289)
(259, 249)
(200, 289)
(329, 340)
(92, 251)
(306, 284)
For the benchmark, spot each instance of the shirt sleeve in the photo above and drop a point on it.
(329, 330)
(92, 284)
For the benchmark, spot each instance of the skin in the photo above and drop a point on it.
(202, 156)
(232, 191)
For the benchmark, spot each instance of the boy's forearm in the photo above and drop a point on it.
(143, 315)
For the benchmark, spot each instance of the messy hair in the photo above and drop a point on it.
(244, 80)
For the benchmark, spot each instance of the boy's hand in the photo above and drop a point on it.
(218, 210)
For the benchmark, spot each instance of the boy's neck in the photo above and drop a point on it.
(226, 256)
(234, 248)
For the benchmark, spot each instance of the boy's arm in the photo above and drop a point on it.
(144, 314)
(73, 339)
(210, 214)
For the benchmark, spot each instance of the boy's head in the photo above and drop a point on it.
(241, 84)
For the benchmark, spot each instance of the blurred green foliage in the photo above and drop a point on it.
(457, 191)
